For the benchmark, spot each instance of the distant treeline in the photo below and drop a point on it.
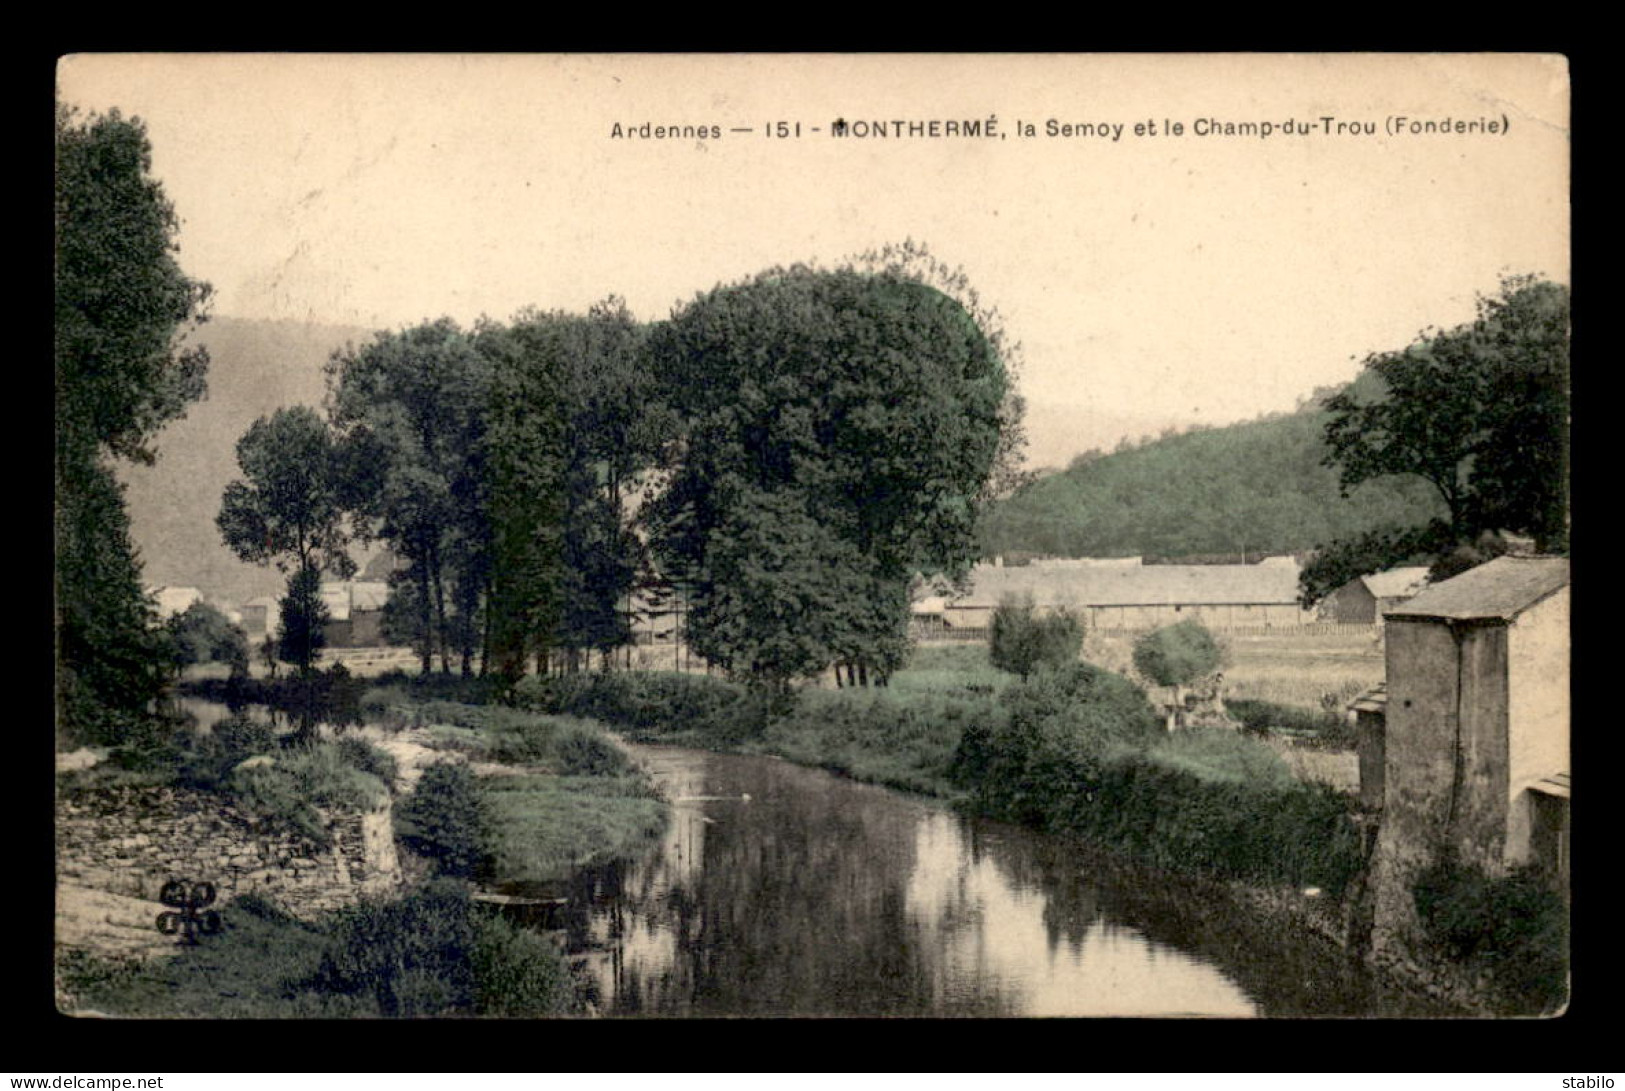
(1245, 489)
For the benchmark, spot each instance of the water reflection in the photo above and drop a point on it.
(782, 891)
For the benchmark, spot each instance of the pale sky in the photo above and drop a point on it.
(1150, 279)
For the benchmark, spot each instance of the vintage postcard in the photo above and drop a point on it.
(1075, 535)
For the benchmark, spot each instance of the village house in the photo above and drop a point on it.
(1363, 601)
(355, 612)
(1472, 733)
(259, 618)
(1127, 594)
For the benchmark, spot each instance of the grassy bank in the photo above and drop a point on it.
(1078, 751)
(901, 736)
(431, 952)
(564, 795)
(513, 796)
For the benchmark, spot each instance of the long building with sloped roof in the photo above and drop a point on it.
(1125, 593)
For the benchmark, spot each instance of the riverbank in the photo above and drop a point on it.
(1214, 809)
(481, 798)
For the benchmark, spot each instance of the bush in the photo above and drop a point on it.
(206, 761)
(1021, 643)
(651, 704)
(1514, 928)
(902, 738)
(1046, 755)
(1301, 835)
(1324, 728)
(1082, 751)
(202, 634)
(1177, 655)
(290, 791)
(518, 973)
(360, 754)
(1219, 755)
(442, 818)
(411, 956)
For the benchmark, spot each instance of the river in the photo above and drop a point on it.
(785, 891)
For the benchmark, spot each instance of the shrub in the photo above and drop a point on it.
(1047, 753)
(652, 704)
(518, 973)
(206, 761)
(1177, 655)
(202, 634)
(1328, 729)
(1301, 835)
(412, 956)
(442, 818)
(290, 791)
(1514, 928)
(363, 755)
(1220, 755)
(1082, 751)
(584, 752)
(903, 738)
(1021, 642)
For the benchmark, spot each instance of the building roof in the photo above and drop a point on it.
(1374, 699)
(1555, 785)
(1497, 590)
(1080, 586)
(342, 597)
(1396, 582)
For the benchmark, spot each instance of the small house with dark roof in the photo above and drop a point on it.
(355, 612)
(1476, 718)
(1364, 600)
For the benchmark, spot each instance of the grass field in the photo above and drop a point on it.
(1286, 668)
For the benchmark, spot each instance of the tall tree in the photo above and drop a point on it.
(615, 426)
(866, 412)
(1480, 412)
(122, 305)
(411, 406)
(526, 468)
(288, 510)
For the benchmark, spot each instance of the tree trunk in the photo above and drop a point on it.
(485, 636)
(425, 618)
(440, 611)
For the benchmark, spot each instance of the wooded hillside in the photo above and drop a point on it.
(1253, 487)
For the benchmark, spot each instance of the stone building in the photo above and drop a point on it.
(1363, 601)
(1474, 733)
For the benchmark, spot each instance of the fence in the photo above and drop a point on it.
(1351, 630)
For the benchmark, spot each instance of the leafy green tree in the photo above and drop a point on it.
(526, 467)
(1377, 549)
(202, 634)
(1480, 412)
(614, 429)
(121, 306)
(1021, 641)
(288, 510)
(1177, 655)
(864, 413)
(411, 407)
(304, 620)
